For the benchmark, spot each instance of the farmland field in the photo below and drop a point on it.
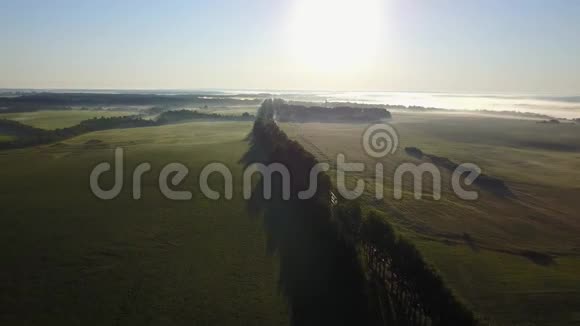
(513, 259)
(53, 119)
(76, 259)
(4, 138)
(293, 162)
(487, 250)
(232, 110)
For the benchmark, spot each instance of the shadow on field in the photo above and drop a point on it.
(320, 276)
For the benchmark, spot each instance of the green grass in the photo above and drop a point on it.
(5, 138)
(232, 110)
(70, 258)
(537, 163)
(60, 118)
(508, 289)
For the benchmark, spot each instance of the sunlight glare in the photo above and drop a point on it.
(335, 35)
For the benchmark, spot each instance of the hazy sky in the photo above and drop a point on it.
(401, 45)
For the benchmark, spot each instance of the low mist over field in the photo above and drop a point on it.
(558, 106)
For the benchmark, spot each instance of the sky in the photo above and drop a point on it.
(491, 46)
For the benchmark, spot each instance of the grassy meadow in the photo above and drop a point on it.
(4, 138)
(482, 247)
(232, 110)
(54, 119)
(76, 259)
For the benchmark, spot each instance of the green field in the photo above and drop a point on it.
(479, 246)
(4, 138)
(75, 259)
(60, 118)
(232, 110)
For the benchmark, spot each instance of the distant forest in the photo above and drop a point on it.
(175, 116)
(298, 113)
(416, 108)
(50, 101)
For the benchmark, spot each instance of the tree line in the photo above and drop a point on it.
(174, 116)
(400, 287)
(419, 294)
(485, 181)
(31, 136)
(320, 275)
(285, 112)
(51, 101)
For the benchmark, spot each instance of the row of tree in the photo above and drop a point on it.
(175, 116)
(285, 112)
(30, 136)
(320, 273)
(484, 181)
(407, 289)
(418, 292)
(50, 101)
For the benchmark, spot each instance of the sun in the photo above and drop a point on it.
(334, 35)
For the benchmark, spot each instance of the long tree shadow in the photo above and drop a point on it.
(320, 274)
